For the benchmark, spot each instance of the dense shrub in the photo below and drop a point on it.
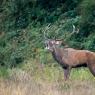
(22, 23)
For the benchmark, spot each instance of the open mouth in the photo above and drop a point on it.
(47, 48)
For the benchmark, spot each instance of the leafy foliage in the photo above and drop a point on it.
(22, 23)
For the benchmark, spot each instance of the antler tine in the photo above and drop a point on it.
(74, 29)
(46, 34)
(77, 31)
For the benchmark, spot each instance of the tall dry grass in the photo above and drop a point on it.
(35, 79)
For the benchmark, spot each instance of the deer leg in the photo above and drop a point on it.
(67, 73)
(92, 68)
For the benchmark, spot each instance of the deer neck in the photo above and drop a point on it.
(57, 54)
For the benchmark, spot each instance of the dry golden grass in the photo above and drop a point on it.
(43, 88)
(44, 80)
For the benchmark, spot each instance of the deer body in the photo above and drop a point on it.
(70, 58)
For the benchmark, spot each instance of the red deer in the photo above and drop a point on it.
(70, 58)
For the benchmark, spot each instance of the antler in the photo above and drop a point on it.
(59, 41)
(44, 31)
(74, 30)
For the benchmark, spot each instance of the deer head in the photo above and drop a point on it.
(51, 44)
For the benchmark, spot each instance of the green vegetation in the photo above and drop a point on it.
(22, 25)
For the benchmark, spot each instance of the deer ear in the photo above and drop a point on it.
(58, 42)
(53, 41)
